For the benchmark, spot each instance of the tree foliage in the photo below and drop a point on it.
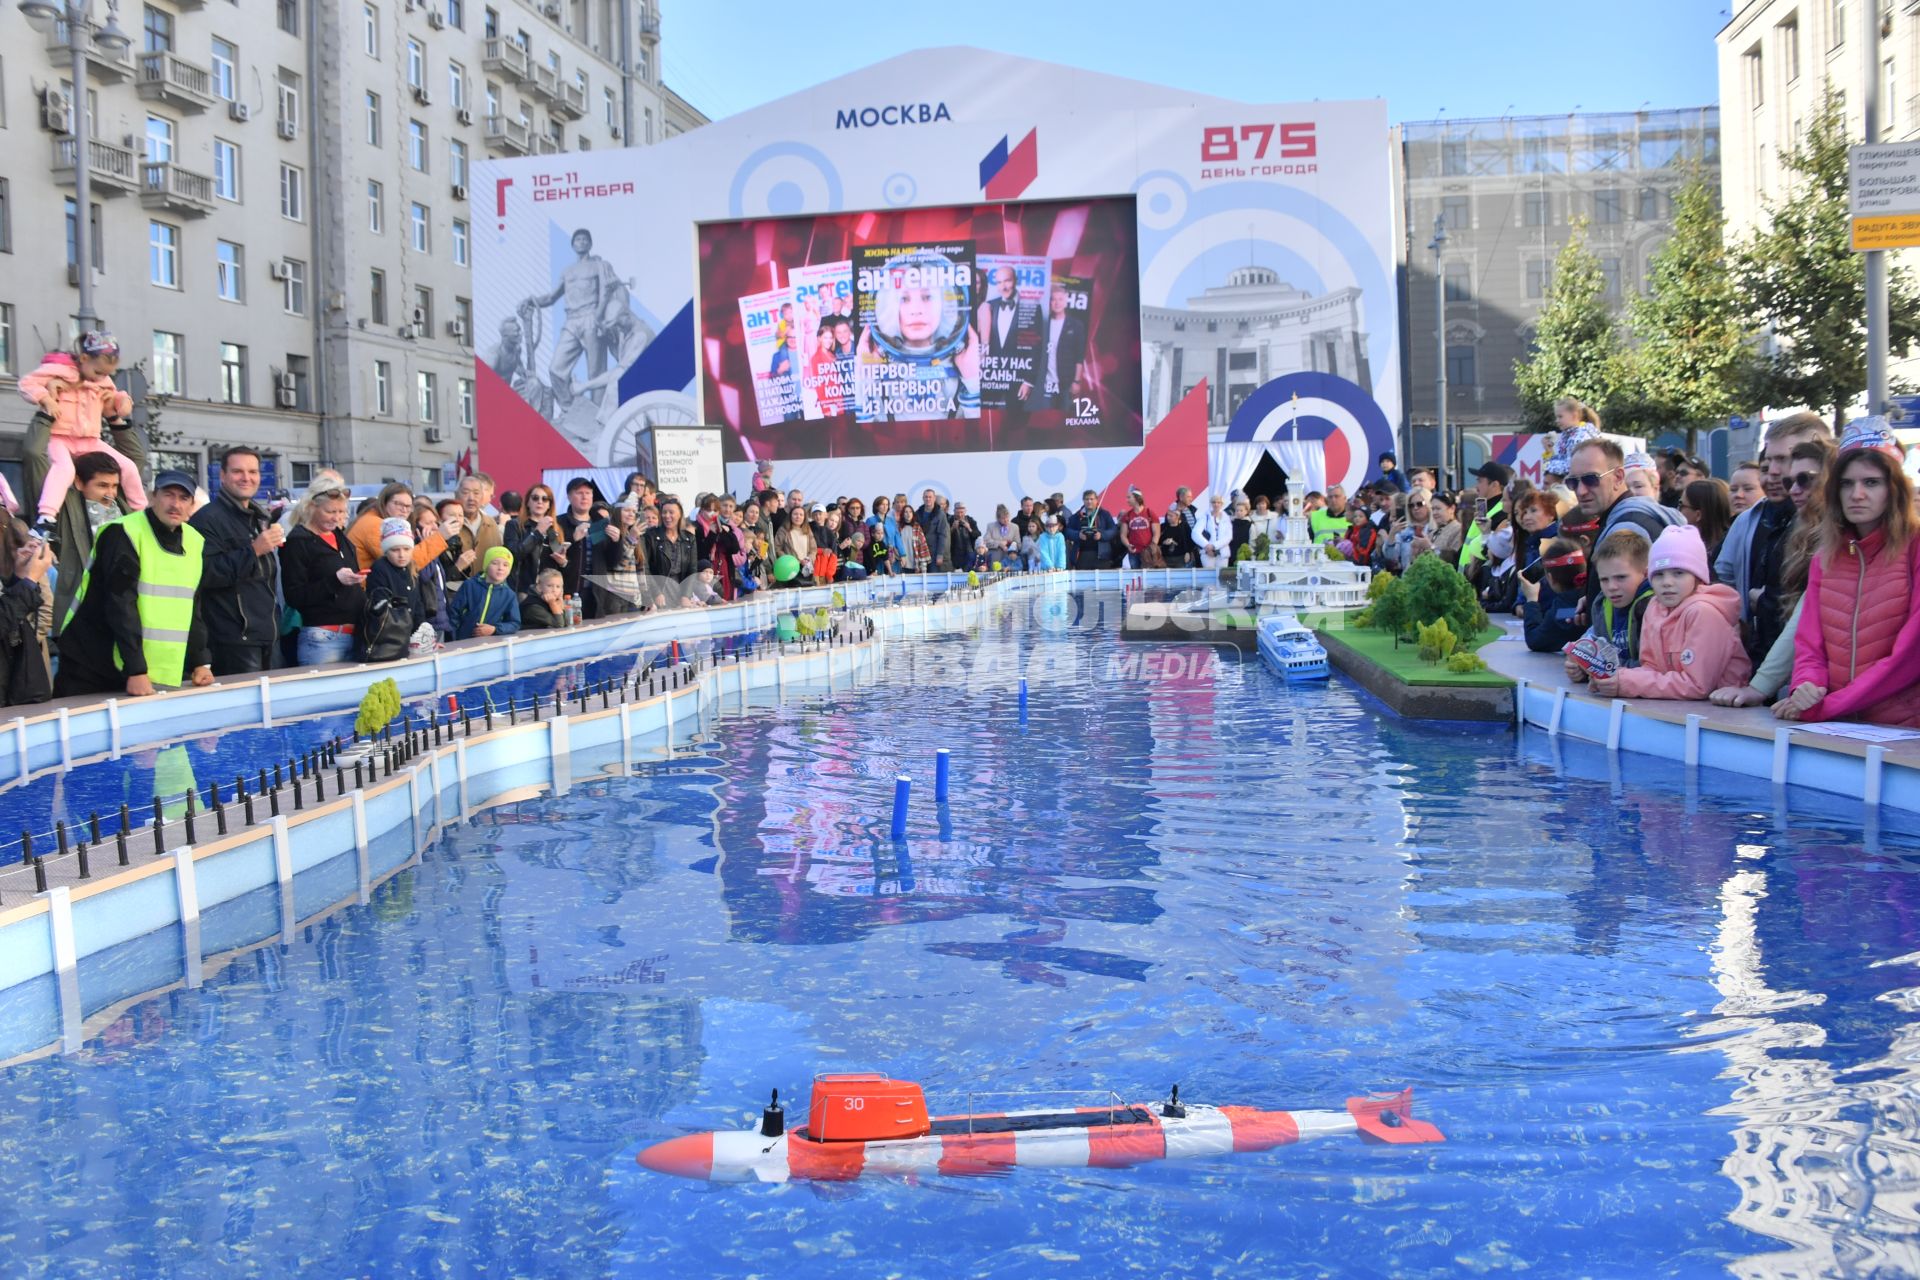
(1694, 364)
(378, 707)
(1430, 591)
(1803, 281)
(1576, 347)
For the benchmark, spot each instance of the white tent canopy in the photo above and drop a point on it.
(1231, 463)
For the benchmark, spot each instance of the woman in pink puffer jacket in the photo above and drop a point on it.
(1857, 651)
(77, 392)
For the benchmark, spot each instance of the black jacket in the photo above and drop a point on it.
(532, 551)
(237, 586)
(1176, 545)
(1090, 539)
(675, 561)
(109, 618)
(23, 667)
(939, 530)
(535, 616)
(308, 567)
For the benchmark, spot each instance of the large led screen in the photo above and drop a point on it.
(953, 330)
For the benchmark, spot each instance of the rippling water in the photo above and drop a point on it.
(1664, 1031)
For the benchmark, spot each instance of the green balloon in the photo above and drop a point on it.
(786, 568)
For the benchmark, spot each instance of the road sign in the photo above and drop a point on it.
(1884, 190)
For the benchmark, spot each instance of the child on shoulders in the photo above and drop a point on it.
(77, 393)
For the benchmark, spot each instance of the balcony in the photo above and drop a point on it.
(545, 146)
(650, 24)
(169, 78)
(110, 65)
(508, 135)
(171, 189)
(546, 84)
(111, 170)
(507, 58)
(572, 101)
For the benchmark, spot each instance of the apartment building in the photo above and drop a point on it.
(279, 219)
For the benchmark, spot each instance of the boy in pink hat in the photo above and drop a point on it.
(1690, 643)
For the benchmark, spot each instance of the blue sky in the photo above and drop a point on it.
(1427, 59)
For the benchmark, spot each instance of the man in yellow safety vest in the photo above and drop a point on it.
(135, 623)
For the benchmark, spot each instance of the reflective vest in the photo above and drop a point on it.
(1327, 527)
(1475, 545)
(166, 587)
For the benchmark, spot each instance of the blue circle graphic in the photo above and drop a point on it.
(737, 193)
(786, 197)
(899, 189)
(1316, 386)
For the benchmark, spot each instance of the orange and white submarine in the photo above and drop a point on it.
(865, 1123)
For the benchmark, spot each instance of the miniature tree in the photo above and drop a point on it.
(1437, 641)
(377, 708)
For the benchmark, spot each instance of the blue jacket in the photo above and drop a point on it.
(1053, 550)
(1551, 620)
(481, 601)
(1731, 565)
(1397, 478)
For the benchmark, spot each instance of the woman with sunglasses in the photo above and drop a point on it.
(535, 539)
(1857, 647)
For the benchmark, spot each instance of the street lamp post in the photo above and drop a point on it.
(1448, 465)
(80, 31)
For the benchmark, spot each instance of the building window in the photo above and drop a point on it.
(1649, 204)
(422, 240)
(612, 106)
(287, 88)
(417, 145)
(6, 338)
(416, 65)
(1606, 205)
(647, 115)
(382, 389)
(293, 290)
(1458, 286)
(463, 319)
(163, 254)
(1756, 73)
(465, 388)
(226, 170)
(1462, 368)
(1539, 276)
(1889, 100)
(426, 386)
(1539, 155)
(457, 162)
(157, 25)
(1539, 208)
(457, 86)
(1453, 159)
(373, 119)
(376, 207)
(1790, 47)
(460, 242)
(457, 14)
(1457, 210)
(233, 373)
(490, 24)
(1610, 276)
(230, 279)
(95, 242)
(378, 299)
(293, 193)
(225, 78)
(289, 16)
(370, 30)
(169, 379)
(1837, 24)
(300, 369)
(159, 140)
(423, 309)
(6, 216)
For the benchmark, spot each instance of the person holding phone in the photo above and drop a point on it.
(321, 577)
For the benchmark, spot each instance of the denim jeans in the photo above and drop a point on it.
(318, 645)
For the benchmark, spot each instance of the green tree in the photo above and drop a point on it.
(1804, 282)
(1576, 346)
(1695, 363)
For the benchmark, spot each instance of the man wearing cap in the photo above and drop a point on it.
(1490, 486)
(135, 623)
(241, 568)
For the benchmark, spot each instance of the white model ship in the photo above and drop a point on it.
(1298, 575)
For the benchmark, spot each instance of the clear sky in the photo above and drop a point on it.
(1427, 58)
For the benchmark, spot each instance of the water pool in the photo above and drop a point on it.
(1665, 1032)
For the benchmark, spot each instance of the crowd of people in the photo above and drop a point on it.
(1792, 583)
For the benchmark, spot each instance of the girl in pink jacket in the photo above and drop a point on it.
(1857, 650)
(77, 392)
(1690, 641)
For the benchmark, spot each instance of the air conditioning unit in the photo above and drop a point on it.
(436, 19)
(435, 435)
(551, 8)
(239, 112)
(73, 274)
(420, 319)
(277, 268)
(288, 129)
(464, 116)
(457, 329)
(289, 383)
(286, 397)
(405, 331)
(56, 112)
(614, 129)
(421, 96)
(459, 191)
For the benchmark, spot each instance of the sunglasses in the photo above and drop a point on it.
(1592, 479)
(1804, 480)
